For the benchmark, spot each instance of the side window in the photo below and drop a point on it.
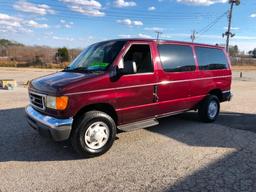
(141, 55)
(211, 58)
(176, 58)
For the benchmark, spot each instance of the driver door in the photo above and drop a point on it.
(134, 97)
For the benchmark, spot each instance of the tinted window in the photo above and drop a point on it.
(177, 58)
(211, 59)
(141, 55)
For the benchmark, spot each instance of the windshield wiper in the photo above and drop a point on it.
(66, 68)
(80, 69)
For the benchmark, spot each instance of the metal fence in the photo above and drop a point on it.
(243, 61)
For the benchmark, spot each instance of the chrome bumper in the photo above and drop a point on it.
(59, 129)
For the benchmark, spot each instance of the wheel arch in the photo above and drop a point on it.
(104, 107)
(217, 93)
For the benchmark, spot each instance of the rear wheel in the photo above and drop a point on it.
(94, 134)
(209, 109)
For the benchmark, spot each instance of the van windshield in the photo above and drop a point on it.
(97, 57)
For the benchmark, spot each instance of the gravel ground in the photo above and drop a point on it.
(181, 154)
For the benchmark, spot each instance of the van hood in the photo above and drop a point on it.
(59, 82)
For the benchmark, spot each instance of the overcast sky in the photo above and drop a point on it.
(77, 23)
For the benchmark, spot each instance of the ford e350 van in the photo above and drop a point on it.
(126, 85)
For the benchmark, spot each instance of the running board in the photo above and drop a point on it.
(138, 125)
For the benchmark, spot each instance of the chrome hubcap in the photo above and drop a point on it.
(97, 135)
(213, 109)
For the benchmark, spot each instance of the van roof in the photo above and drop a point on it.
(166, 41)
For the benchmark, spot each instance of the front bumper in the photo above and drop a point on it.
(58, 129)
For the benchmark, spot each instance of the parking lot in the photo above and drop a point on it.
(180, 154)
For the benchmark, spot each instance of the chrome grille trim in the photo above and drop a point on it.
(37, 100)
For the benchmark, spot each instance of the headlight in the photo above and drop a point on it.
(58, 103)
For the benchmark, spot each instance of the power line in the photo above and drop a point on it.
(120, 17)
(64, 11)
(115, 10)
(175, 17)
(206, 28)
(135, 14)
(210, 25)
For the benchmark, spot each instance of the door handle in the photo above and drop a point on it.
(155, 94)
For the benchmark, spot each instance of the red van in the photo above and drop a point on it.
(128, 84)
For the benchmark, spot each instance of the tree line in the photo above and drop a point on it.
(241, 58)
(14, 53)
(253, 53)
(235, 52)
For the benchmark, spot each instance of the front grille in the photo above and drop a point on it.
(37, 100)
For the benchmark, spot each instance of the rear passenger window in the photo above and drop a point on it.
(211, 58)
(176, 58)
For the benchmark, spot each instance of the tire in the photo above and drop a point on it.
(94, 134)
(209, 109)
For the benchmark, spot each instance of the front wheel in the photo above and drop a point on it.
(209, 109)
(94, 133)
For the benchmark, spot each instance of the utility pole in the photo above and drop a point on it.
(193, 36)
(158, 33)
(228, 32)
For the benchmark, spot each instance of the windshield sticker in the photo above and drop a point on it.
(97, 65)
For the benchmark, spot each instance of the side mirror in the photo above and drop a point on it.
(115, 73)
(130, 67)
